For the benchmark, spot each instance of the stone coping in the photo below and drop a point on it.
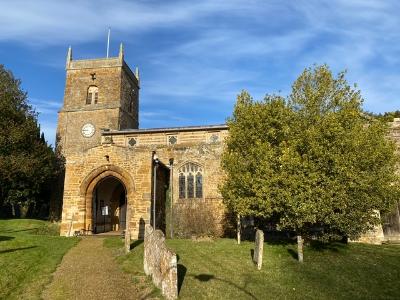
(166, 129)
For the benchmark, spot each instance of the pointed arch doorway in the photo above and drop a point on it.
(109, 203)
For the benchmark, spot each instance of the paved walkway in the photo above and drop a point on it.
(89, 271)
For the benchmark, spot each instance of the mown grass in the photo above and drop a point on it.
(132, 263)
(222, 269)
(30, 251)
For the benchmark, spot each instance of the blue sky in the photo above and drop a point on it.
(196, 56)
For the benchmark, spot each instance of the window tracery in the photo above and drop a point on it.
(190, 181)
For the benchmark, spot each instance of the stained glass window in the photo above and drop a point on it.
(190, 187)
(199, 185)
(191, 181)
(182, 186)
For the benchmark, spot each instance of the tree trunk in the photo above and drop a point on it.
(239, 229)
(300, 243)
(13, 213)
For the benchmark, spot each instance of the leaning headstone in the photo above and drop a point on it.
(259, 248)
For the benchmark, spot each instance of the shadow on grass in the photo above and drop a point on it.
(320, 246)
(135, 244)
(293, 254)
(208, 277)
(16, 249)
(5, 238)
(151, 295)
(181, 275)
(20, 230)
(283, 242)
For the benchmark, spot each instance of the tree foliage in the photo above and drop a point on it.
(27, 163)
(312, 161)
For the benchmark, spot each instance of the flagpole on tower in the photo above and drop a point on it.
(108, 40)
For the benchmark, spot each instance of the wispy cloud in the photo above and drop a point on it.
(45, 107)
(51, 22)
(196, 56)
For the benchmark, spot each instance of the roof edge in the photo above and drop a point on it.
(166, 129)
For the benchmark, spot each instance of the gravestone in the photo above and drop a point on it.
(259, 248)
(300, 245)
(160, 263)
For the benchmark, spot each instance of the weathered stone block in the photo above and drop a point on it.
(160, 263)
(259, 249)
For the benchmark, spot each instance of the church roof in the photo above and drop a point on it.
(167, 129)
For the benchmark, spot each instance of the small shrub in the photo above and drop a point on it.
(196, 218)
(48, 229)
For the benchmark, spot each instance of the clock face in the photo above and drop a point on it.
(88, 130)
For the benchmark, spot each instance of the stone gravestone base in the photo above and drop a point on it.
(259, 248)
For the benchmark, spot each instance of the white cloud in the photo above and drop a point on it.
(228, 43)
(44, 22)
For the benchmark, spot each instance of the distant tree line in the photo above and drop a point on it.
(387, 116)
(28, 164)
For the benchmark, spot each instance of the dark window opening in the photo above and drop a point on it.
(92, 95)
(89, 98)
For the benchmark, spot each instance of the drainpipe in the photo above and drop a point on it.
(171, 196)
(155, 162)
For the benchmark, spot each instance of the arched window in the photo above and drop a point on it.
(92, 95)
(190, 181)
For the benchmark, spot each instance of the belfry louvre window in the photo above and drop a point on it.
(190, 181)
(92, 95)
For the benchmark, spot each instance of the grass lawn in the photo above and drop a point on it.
(223, 270)
(29, 252)
(132, 263)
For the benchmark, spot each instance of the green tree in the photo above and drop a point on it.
(27, 163)
(314, 162)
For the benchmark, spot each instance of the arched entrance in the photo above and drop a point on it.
(109, 205)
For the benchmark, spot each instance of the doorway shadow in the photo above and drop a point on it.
(142, 225)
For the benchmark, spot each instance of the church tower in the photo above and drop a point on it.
(100, 95)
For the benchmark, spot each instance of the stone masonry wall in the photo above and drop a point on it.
(115, 83)
(133, 166)
(391, 222)
(160, 263)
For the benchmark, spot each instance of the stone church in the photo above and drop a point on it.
(117, 175)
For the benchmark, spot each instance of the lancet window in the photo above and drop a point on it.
(92, 95)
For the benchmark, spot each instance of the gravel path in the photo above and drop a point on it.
(89, 271)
